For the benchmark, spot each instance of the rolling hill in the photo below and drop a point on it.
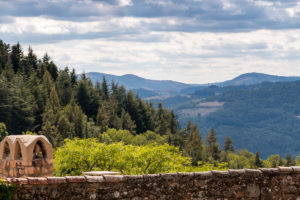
(130, 81)
(260, 112)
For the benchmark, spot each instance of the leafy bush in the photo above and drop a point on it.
(6, 190)
(79, 155)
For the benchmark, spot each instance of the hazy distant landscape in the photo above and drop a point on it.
(259, 111)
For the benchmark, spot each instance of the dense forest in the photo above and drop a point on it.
(262, 117)
(38, 98)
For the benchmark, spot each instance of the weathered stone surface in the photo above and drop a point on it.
(114, 178)
(25, 156)
(56, 180)
(94, 179)
(285, 169)
(101, 173)
(37, 180)
(266, 184)
(75, 179)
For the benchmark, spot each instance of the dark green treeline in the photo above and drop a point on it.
(36, 96)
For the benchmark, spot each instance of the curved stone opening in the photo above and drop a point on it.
(18, 152)
(39, 151)
(6, 151)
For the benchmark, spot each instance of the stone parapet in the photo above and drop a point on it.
(273, 183)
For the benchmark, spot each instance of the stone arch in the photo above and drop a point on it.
(6, 151)
(18, 155)
(39, 150)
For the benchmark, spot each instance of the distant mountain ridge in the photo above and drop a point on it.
(147, 87)
(256, 78)
(130, 81)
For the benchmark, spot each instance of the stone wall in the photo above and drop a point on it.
(273, 183)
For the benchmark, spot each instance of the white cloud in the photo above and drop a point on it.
(189, 57)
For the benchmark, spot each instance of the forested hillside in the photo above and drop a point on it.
(38, 98)
(263, 117)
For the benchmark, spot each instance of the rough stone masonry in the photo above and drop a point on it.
(274, 183)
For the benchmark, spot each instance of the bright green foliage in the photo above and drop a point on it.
(79, 155)
(3, 131)
(206, 167)
(297, 160)
(113, 135)
(273, 161)
(242, 159)
(28, 133)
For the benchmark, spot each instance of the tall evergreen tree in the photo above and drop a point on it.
(213, 146)
(228, 144)
(258, 163)
(193, 145)
(16, 57)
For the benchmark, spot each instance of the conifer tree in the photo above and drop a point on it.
(258, 163)
(228, 144)
(289, 161)
(16, 57)
(213, 146)
(193, 145)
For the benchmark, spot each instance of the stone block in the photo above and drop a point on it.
(220, 173)
(253, 172)
(296, 169)
(22, 181)
(94, 179)
(44, 170)
(75, 179)
(253, 191)
(29, 170)
(12, 164)
(114, 178)
(285, 169)
(236, 172)
(37, 180)
(203, 175)
(56, 180)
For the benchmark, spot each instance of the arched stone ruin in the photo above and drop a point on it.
(25, 156)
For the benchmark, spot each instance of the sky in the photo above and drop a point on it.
(192, 41)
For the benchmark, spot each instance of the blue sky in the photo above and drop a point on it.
(193, 41)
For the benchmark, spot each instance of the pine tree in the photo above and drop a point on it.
(228, 144)
(16, 57)
(162, 126)
(127, 123)
(73, 77)
(105, 89)
(53, 103)
(213, 146)
(258, 163)
(4, 55)
(289, 161)
(64, 87)
(193, 145)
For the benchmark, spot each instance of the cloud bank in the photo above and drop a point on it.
(185, 40)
